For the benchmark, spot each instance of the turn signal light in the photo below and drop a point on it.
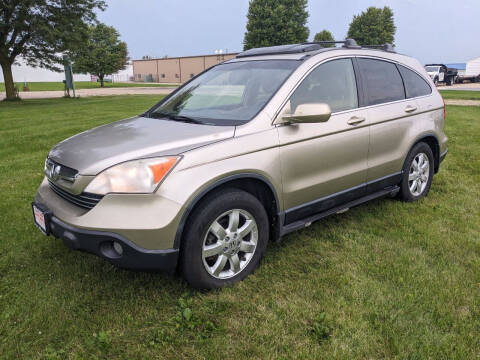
(159, 170)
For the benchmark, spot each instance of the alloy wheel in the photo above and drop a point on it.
(230, 243)
(419, 174)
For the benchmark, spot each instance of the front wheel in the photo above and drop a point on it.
(225, 239)
(417, 173)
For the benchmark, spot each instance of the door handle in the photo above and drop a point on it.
(410, 108)
(354, 120)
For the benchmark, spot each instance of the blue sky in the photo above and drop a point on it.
(430, 30)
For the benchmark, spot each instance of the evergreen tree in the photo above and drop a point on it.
(324, 35)
(374, 26)
(276, 22)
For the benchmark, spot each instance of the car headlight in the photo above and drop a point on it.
(137, 176)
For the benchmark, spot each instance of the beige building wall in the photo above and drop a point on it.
(144, 68)
(212, 60)
(190, 67)
(175, 70)
(168, 70)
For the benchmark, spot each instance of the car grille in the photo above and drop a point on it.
(64, 172)
(84, 200)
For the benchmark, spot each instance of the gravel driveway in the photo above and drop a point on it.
(464, 86)
(156, 91)
(462, 102)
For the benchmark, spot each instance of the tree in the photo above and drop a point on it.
(102, 54)
(324, 35)
(276, 22)
(39, 31)
(373, 27)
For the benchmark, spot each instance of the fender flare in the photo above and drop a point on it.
(191, 205)
(437, 152)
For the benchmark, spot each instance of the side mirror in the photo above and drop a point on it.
(307, 113)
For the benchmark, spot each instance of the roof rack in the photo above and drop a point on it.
(347, 43)
(385, 47)
(310, 46)
(281, 49)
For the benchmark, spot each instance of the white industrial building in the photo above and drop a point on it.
(25, 73)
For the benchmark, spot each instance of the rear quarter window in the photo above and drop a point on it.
(415, 85)
(382, 81)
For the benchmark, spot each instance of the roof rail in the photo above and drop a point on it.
(385, 47)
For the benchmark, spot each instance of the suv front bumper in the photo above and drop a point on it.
(113, 247)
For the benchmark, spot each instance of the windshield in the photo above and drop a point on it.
(227, 94)
(432, 68)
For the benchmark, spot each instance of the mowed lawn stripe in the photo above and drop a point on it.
(384, 280)
(461, 94)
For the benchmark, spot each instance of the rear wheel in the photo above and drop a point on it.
(417, 173)
(225, 239)
(435, 81)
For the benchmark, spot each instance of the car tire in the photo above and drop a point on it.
(418, 171)
(215, 253)
(435, 81)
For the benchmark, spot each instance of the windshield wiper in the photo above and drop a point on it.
(174, 117)
(185, 119)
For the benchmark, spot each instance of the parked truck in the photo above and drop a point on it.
(440, 73)
(471, 73)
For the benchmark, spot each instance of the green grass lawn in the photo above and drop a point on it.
(460, 94)
(385, 280)
(51, 86)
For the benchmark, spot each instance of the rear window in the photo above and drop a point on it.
(415, 85)
(383, 81)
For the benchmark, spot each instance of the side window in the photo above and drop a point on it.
(332, 83)
(415, 85)
(382, 80)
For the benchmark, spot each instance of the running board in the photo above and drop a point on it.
(393, 190)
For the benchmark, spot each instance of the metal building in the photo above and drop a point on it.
(175, 69)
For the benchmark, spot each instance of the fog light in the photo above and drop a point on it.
(118, 248)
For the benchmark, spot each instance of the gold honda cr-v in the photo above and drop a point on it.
(246, 152)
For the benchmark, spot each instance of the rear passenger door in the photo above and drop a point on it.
(390, 116)
(416, 87)
(324, 164)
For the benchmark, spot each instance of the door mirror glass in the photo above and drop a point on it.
(309, 113)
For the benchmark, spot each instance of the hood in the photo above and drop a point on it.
(94, 150)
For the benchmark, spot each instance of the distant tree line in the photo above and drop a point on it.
(279, 22)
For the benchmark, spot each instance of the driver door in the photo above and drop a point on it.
(441, 75)
(325, 164)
